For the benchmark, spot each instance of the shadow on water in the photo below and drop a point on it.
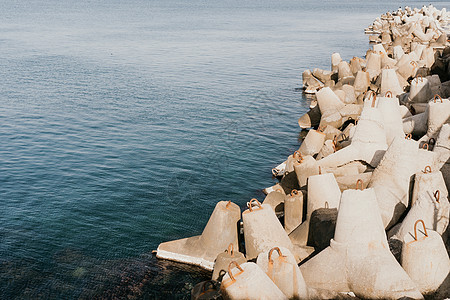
(75, 275)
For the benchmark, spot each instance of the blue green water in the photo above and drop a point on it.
(123, 123)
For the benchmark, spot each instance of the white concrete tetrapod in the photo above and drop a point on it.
(335, 60)
(387, 62)
(429, 207)
(428, 56)
(280, 169)
(349, 181)
(328, 101)
(426, 158)
(442, 146)
(389, 82)
(438, 115)
(358, 259)
(344, 71)
(224, 259)
(331, 132)
(248, 281)
(305, 76)
(368, 142)
(392, 120)
(293, 210)
(262, 230)
(398, 52)
(311, 118)
(312, 143)
(402, 81)
(420, 90)
(425, 258)
(280, 265)
(428, 179)
(350, 96)
(391, 179)
(323, 192)
(379, 48)
(362, 82)
(416, 124)
(356, 65)
(291, 160)
(276, 200)
(322, 75)
(313, 85)
(327, 149)
(220, 231)
(373, 65)
(406, 66)
(304, 168)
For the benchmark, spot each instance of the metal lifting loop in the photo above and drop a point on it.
(427, 169)
(297, 153)
(388, 94)
(229, 269)
(415, 229)
(273, 249)
(358, 183)
(425, 146)
(408, 136)
(437, 96)
(294, 192)
(257, 203)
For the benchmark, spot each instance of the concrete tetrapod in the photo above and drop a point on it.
(262, 230)
(293, 211)
(329, 104)
(416, 124)
(290, 161)
(429, 207)
(275, 199)
(323, 191)
(305, 168)
(224, 259)
(428, 179)
(284, 272)
(442, 146)
(438, 115)
(368, 142)
(358, 259)
(420, 90)
(335, 60)
(312, 143)
(311, 118)
(248, 281)
(390, 110)
(373, 65)
(202, 250)
(391, 179)
(362, 82)
(389, 82)
(425, 258)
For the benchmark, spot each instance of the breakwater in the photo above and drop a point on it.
(370, 171)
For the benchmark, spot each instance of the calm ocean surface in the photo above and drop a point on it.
(123, 123)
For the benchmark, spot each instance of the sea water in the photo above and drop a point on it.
(123, 123)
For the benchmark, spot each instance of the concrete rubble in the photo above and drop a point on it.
(362, 209)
